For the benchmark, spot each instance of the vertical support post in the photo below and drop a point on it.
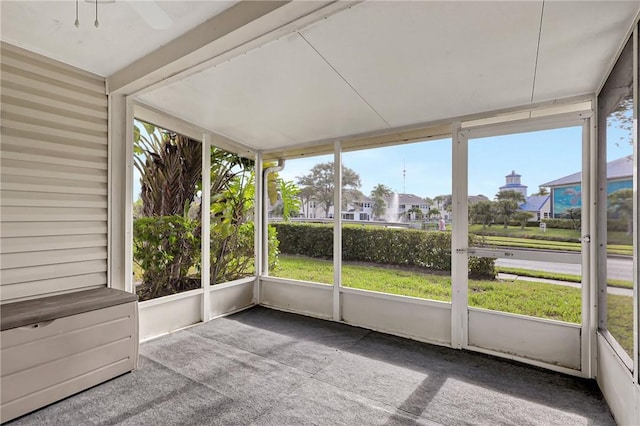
(588, 330)
(260, 227)
(459, 240)
(337, 229)
(205, 220)
(116, 169)
(593, 270)
(128, 198)
(636, 205)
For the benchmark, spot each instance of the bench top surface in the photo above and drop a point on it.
(19, 314)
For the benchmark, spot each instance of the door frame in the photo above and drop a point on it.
(460, 321)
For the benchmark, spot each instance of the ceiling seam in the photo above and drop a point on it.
(344, 79)
(535, 68)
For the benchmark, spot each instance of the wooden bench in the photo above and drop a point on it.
(56, 346)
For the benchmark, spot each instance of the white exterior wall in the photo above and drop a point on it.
(53, 179)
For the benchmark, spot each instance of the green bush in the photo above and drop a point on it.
(561, 223)
(406, 247)
(232, 256)
(165, 247)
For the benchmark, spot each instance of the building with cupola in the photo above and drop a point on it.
(513, 184)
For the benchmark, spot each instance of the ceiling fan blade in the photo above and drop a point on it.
(151, 12)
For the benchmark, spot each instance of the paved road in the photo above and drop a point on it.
(617, 268)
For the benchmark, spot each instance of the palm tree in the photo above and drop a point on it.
(379, 206)
(516, 196)
(504, 209)
(416, 211)
(170, 168)
(542, 191)
(289, 196)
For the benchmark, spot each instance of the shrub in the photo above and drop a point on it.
(391, 246)
(232, 257)
(165, 247)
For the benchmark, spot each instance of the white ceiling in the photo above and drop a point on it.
(124, 35)
(375, 66)
(382, 65)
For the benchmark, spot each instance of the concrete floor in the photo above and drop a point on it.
(266, 367)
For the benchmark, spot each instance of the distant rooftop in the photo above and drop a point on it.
(616, 169)
(534, 203)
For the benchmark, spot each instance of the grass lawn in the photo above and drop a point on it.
(620, 320)
(516, 231)
(514, 236)
(557, 276)
(520, 297)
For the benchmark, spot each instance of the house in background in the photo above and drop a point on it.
(538, 205)
(399, 208)
(566, 192)
(409, 205)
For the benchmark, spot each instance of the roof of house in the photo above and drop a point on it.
(473, 199)
(534, 203)
(512, 185)
(620, 168)
(410, 199)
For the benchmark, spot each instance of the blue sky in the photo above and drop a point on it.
(538, 156)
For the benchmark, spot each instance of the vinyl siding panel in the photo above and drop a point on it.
(53, 177)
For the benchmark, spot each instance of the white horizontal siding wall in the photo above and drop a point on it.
(53, 177)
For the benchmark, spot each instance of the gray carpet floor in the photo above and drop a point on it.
(265, 367)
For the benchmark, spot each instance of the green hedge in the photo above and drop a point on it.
(561, 223)
(612, 224)
(390, 246)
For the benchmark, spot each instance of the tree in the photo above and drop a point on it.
(433, 212)
(542, 191)
(507, 204)
(168, 228)
(621, 204)
(504, 209)
(622, 116)
(379, 205)
(351, 196)
(443, 202)
(288, 203)
(574, 214)
(416, 211)
(510, 194)
(522, 218)
(170, 166)
(482, 212)
(319, 185)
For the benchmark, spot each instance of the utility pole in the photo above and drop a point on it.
(404, 177)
